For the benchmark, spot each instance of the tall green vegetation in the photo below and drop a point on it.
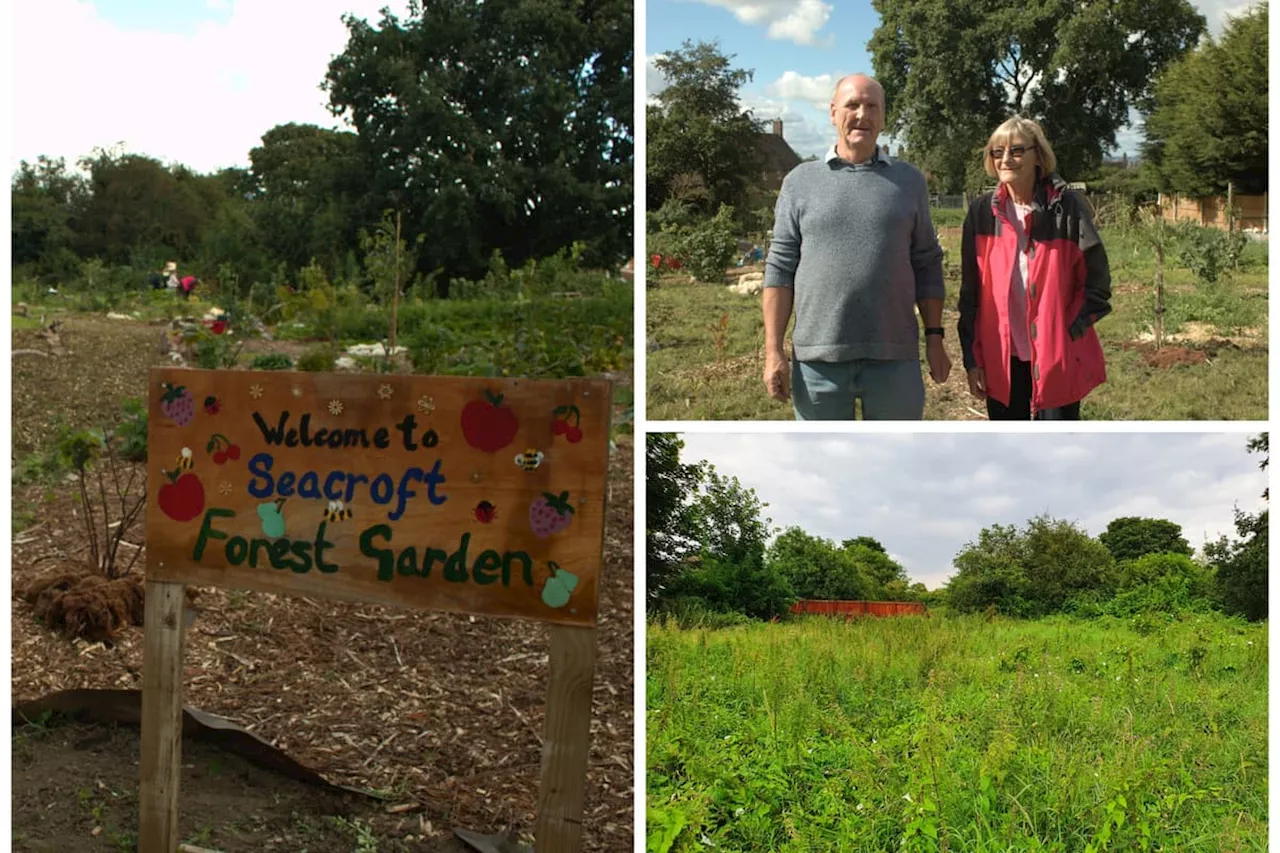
(1206, 124)
(953, 71)
(1241, 564)
(963, 734)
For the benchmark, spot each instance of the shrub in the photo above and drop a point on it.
(317, 359)
(131, 433)
(272, 361)
(709, 247)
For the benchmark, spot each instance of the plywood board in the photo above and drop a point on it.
(471, 495)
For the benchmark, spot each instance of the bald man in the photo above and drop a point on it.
(855, 253)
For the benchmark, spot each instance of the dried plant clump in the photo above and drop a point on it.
(81, 604)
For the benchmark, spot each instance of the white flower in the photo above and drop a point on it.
(1248, 642)
(224, 487)
(859, 807)
(907, 797)
(739, 811)
(426, 405)
(255, 391)
(335, 407)
(385, 391)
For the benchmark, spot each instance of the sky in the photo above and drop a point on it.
(799, 49)
(196, 82)
(926, 496)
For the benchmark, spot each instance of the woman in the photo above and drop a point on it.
(1034, 280)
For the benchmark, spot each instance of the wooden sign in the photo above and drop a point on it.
(471, 495)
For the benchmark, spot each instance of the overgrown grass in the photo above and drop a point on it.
(705, 346)
(958, 734)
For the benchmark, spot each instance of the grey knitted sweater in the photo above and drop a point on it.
(856, 244)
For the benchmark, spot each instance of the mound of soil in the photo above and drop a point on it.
(1174, 356)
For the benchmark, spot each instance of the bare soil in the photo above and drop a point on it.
(441, 713)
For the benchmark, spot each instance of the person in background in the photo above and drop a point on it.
(188, 284)
(1034, 280)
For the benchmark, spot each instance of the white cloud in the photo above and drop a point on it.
(787, 20)
(1216, 12)
(202, 99)
(793, 86)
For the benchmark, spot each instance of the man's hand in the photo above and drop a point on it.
(978, 382)
(939, 361)
(777, 378)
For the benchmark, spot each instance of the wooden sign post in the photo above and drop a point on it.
(481, 496)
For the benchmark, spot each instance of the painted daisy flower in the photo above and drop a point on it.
(255, 391)
(426, 405)
(335, 407)
(385, 391)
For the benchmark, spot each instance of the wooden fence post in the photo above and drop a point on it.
(161, 717)
(567, 740)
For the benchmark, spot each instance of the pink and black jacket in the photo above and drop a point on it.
(1068, 289)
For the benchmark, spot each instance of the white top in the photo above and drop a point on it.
(1018, 332)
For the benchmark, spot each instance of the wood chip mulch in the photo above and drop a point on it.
(440, 710)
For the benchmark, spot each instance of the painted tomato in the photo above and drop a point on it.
(487, 425)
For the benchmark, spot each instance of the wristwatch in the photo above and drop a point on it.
(933, 330)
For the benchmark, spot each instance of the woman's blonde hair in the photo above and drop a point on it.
(1030, 132)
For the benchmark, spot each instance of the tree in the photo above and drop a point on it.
(44, 198)
(1031, 571)
(1242, 564)
(817, 568)
(1207, 124)
(1131, 537)
(496, 126)
(701, 148)
(874, 562)
(953, 71)
(866, 542)
(669, 483)
(307, 185)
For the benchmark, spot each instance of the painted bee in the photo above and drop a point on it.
(336, 512)
(186, 461)
(530, 459)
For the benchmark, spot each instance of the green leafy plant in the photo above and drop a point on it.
(131, 432)
(272, 361)
(317, 359)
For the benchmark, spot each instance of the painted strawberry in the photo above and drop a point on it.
(178, 404)
(485, 512)
(182, 498)
(487, 425)
(212, 405)
(562, 426)
(550, 514)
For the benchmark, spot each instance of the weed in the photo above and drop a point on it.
(271, 361)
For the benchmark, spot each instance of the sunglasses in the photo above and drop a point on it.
(1016, 152)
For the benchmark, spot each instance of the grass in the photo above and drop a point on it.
(958, 734)
(705, 346)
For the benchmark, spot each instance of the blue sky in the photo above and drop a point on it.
(191, 81)
(926, 495)
(799, 49)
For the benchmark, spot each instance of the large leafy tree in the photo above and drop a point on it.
(1132, 537)
(307, 183)
(498, 126)
(818, 568)
(1207, 123)
(1030, 571)
(669, 486)
(137, 210)
(701, 148)
(45, 196)
(952, 71)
